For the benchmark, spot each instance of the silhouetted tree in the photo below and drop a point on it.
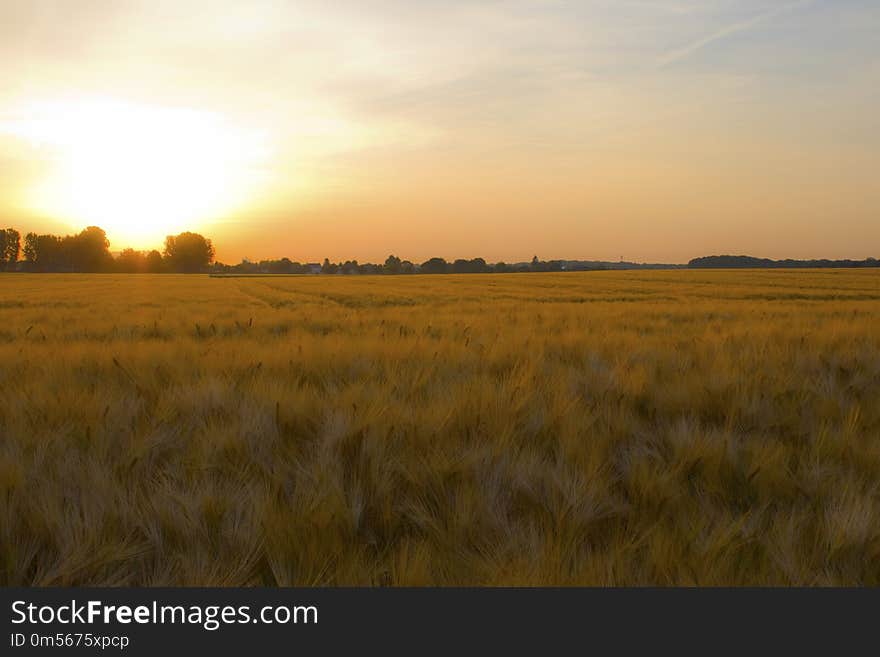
(153, 262)
(475, 266)
(45, 253)
(89, 251)
(130, 261)
(10, 245)
(392, 265)
(283, 266)
(434, 266)
(31, 251)
(328, 267)
(30, 248)
(188, 252)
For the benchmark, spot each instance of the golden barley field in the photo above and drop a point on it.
(596, 428)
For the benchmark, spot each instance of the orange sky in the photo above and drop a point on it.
(656, 131)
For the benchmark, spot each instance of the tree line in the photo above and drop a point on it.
(750, 262)
(89, 252)
(392, 265)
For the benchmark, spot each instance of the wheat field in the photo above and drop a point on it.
(597, 428)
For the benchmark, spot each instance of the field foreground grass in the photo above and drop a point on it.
(600, 428)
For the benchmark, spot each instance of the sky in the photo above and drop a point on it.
(656, 130)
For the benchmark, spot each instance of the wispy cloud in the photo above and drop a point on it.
(728, 30)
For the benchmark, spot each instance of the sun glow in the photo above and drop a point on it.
(140, 172)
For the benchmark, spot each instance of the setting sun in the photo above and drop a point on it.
(140, 171)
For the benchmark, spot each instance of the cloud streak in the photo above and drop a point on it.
(735, 28)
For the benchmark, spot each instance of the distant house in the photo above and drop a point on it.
(313, 267)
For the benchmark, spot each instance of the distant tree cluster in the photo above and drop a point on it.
(282, 266)
(393, 265)
(749, 262)
(131, 261)
(89, 252)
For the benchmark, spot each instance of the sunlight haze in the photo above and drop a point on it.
(654, 131)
